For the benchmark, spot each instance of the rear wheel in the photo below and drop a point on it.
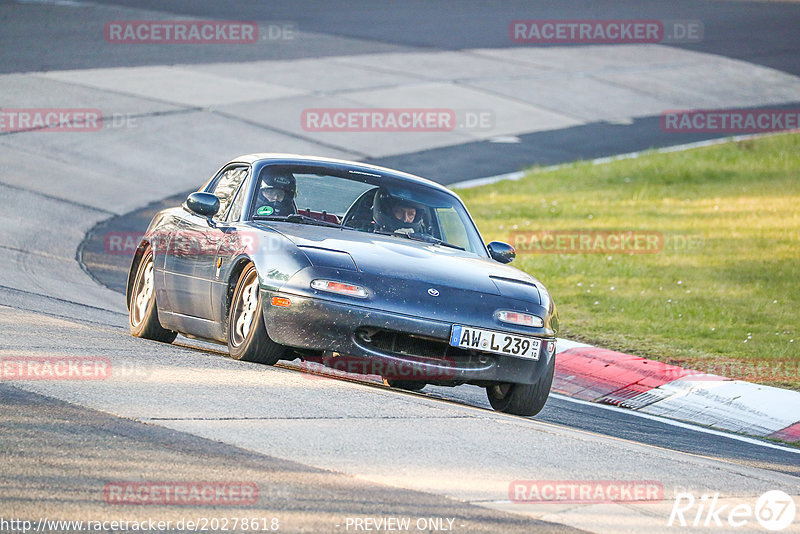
(247, 336)
(143, 313)
(522, 399)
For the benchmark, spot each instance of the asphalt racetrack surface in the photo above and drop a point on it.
(324, 452)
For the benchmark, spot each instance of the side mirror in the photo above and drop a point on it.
(502, 252)
(203, 204)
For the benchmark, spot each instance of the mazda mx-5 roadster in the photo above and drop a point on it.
(357, 267)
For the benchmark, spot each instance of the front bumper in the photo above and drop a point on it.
(389, 344)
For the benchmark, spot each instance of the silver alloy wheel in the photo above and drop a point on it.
(245, 309)
(143, 293)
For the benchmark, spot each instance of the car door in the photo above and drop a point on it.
(190, 268)
(236, 238)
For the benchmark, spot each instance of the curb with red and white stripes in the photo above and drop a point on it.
(604, 376)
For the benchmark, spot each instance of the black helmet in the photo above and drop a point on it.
(282, 181)
(279, 179)
(383, 212)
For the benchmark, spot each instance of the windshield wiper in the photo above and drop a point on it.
(425, 238)
(298, 219)
(430, 239)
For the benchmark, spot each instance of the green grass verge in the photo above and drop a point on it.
(722, 293)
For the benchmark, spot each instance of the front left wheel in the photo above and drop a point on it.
(247, 336)
(142, 312)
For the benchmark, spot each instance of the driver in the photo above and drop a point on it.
(277, 192)
(394, 214)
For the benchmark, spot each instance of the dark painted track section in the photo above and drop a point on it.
(759, 32)
(764, 33)
(448, 165)
(107, 263)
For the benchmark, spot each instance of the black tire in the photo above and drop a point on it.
(408, 385)
(522, 399)
(143, 312)
(247, 336)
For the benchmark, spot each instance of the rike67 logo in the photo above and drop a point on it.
(774, 511)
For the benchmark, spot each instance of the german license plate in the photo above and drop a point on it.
(467, 337)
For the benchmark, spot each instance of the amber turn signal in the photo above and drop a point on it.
(283, 302)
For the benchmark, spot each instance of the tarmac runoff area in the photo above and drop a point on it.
(167, 128)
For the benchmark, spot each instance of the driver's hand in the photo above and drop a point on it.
(406, 231)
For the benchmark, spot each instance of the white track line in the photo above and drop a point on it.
(678, 424)
(672, 422)
(466, 184)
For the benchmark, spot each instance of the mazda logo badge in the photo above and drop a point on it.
(433, 292)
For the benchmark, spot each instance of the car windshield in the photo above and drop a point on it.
(366, 202)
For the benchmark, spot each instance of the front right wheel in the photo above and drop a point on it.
(247, 336)
(522, 399)
(408, 385)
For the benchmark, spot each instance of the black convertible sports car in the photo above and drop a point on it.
(359, 267)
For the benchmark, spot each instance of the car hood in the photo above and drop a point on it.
(401, 258)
